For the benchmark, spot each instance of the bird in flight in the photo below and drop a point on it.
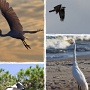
(56, 8)
(16, 29)
(61, 10)
(62, 13)
(77, 73)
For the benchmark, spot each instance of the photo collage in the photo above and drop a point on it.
(48, 45)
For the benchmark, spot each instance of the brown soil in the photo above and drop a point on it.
(59, 73)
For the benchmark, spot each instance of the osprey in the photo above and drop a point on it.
(56, 8)
(62, 13)
(61, 10)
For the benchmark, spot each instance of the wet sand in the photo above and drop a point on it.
(59, 73)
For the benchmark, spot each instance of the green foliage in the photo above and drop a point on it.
(6, 79)
(32, 78)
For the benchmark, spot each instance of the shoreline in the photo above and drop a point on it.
(59, 73)
(78, 57)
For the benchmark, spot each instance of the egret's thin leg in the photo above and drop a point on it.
(78, 87)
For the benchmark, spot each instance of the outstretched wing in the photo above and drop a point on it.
(10, 16)
(52, 10)
(31, 32)
(57, 8)
(62, 14)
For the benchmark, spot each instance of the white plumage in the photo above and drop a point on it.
(17, 86)
(77, 73)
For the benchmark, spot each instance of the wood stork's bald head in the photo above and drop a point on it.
(20, 86)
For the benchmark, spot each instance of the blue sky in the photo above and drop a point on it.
(14, 68)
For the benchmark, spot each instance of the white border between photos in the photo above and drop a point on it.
(44, 52)
(67, 34)
(44, 44)
(21, 62)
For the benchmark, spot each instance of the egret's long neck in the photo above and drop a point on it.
(74, 55)
(3, 35)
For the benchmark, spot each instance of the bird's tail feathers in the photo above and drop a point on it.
(61, 19)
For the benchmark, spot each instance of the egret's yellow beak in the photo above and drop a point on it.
(69, 40)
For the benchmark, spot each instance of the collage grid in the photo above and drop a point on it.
(67, 45)
(54, 54)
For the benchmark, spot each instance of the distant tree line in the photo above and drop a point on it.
(32, 78)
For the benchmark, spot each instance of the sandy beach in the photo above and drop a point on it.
(59, 73)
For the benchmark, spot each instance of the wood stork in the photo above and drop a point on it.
(17, 86)
(77, 73)
(16, 29)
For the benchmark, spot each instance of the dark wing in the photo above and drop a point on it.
(10, 16)
(57, 8)
(62, 14)
(52, 10)
(31, 32)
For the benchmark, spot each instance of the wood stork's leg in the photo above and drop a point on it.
(26, 45)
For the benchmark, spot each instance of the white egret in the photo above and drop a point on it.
(77, 73)
(16, 29)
